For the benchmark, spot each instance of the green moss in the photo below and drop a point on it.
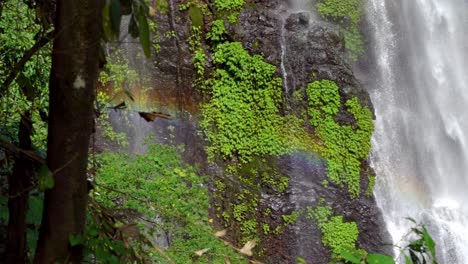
(336, 234)
(229, 8)
(162, 6)
(290, 219)
(242, 118)
(228, 5)
(345, 146)
(370, 186)
(217, 32)
(199, 55)
(347, 13)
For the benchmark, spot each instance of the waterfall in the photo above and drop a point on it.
(420, 94)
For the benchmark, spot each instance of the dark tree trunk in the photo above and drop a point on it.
(19, 184)
(72, 92)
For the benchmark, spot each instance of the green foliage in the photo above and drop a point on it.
(348, 13)
(199, 56)
(241, 205)
(162, 6)
(106, 129)
(158, 186)
(242, 118)
(345, 146)
(339, 235)
(228, 5)
(217, 32)
(336, 234)
(370, 186)
(138, 27)
(231, 8)
(28, 92)
(290, 219)
(420, 250)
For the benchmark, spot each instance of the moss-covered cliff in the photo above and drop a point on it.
(266, 105)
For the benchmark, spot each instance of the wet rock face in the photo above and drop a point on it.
(312, 50)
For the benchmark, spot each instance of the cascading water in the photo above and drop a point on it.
(420, 149)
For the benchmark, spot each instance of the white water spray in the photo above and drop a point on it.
(420, 149)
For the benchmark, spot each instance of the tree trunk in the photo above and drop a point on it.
(72, 92)
(19, 184)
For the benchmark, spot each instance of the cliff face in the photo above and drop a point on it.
(303, 49)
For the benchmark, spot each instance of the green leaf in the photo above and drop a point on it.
(115, 17)
(106, 21)
(34, 214)
(144, 32)
(348, 256)
(75, 240)
(429, 242)
(379, 259)
(46, 178)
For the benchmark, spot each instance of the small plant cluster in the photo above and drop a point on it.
(336, 234)
(241, 205)
(419, 250)
(345, 146)
(242, 118)
(162, 196)
(229, 7)
(347, 13)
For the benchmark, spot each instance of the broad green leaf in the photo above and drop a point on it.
(144, 32)
(115, 17)
(379, 259)
(348, 256)
(429, 241)
(46, 178)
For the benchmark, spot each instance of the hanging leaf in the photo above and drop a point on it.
(106, 22)
(133, 27)
(144, 31)
(429, 242)
(115, 17)
(46, 178)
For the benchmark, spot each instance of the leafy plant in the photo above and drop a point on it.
(242, 118)
(165, 196)
(345, 146)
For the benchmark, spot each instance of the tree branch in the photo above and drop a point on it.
(43, 40)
